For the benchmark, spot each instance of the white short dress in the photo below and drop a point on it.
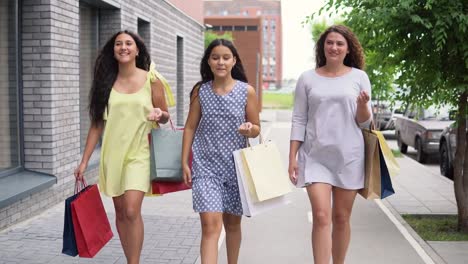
(324, 119)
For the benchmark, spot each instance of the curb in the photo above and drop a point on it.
(436, 258)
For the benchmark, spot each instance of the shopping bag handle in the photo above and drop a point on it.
(80, 184)
(260, 140)
(172, 124)
(371, 126)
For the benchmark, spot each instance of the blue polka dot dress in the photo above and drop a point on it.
(214, 180)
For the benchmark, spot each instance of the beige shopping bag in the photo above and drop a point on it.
(266, 175)
(390, 161)
(249, 207)
(372, 179)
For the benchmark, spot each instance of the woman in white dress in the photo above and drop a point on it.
(332, 104)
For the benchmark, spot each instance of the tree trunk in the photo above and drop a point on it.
(460, 176)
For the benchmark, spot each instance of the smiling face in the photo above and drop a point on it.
(125, 48)
(221, 61)
(335, 48)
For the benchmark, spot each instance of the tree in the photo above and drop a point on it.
(425, 43)
(211, 35)
(317, 28)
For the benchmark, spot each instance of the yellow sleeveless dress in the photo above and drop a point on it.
(124, 162)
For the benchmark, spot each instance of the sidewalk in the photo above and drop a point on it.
(283, 235)
(420, 190)
(172, 229)
(172, 235)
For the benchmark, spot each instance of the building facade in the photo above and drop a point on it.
(270, 13)
(47, 50)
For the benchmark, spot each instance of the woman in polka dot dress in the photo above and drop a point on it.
(223, 112)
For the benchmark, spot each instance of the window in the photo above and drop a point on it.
(226, 28)
(239, 28)
(180, 81)
(252, 28)
(216, 28)
(10, 150)
(144, 30)
(89, 46)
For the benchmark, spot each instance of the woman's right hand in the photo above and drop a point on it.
(187, 175)
(79, 171)
(293, 170)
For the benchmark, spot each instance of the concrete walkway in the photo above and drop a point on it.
(283, 235)
(421, 190)
(172, 230)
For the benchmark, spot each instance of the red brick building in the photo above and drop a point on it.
(269, 11)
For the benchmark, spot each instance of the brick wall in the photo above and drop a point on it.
(50, 60)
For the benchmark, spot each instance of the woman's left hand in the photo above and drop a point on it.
(245, 129)
(362, 98)
(155, 114)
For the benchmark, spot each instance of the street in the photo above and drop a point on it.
(432, 163)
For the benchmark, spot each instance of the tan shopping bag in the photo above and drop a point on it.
(267, 178)
(372, 179)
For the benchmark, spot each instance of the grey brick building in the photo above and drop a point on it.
(47, 52)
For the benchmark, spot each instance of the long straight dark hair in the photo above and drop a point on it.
(237, 71)
(106, 69)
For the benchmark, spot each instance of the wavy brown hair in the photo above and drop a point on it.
(355, 57)
(106, 69)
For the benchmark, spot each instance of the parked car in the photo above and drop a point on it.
(447, 146)
(385, 114)
(421, 129)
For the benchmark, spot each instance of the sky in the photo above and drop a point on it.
(298, 47)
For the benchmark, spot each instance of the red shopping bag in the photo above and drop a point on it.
(168, 187)
(92, 228)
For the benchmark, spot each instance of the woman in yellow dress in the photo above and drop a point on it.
(126, 99)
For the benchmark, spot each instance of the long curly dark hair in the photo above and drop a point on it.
(105, 73)
(355, 57)
(237, 71)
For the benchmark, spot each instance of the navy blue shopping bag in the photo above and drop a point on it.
(69, 242)
(386, 183)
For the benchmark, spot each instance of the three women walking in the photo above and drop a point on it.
(332, 103)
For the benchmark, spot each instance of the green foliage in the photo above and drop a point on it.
(211, 35)
(436, 227)
(318, 28)
(424, 44)
(397, 153)
(277, 100)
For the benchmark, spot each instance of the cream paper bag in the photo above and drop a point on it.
(267, 178)
(249, 207)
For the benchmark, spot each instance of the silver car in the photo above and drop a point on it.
(421, 129)
(447, 147)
